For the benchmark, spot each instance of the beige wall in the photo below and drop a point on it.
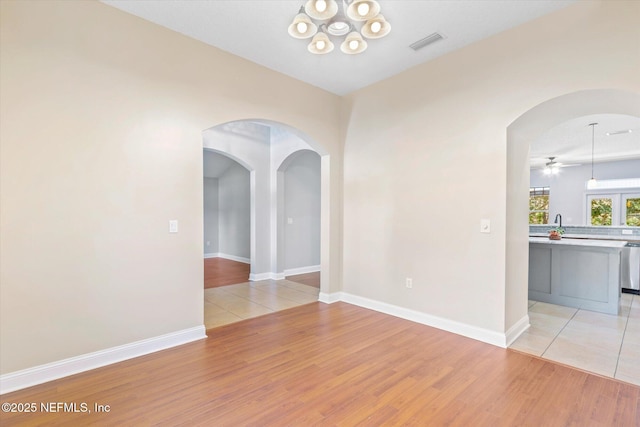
(101, 145)
(426, 158)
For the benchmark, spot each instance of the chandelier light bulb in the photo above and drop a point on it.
(353, 44)
(376, 27)
(320, 44)
(301, 27)
(321, 5)
(363, 9)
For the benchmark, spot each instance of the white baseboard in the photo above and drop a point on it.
(330, 298)
(256, 277)
(469, 331)
(516, 330)
(227, 256)
(301, 270)
(74, 365)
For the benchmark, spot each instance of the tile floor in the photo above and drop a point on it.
(605, 344)
(232, 303)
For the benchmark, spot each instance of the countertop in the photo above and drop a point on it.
(625, 237)
(568, 241)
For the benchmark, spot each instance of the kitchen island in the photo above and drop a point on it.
(580, 273)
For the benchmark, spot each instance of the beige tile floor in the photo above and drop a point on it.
(228, 304)
(605, 344)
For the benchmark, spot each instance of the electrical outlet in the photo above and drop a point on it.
(173, 226)
(289, 220)
(409, 282)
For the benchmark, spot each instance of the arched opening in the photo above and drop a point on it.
(298, 217)
(520, 134)
(263, 147)
(226, 219)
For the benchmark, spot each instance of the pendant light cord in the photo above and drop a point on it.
(593, 130)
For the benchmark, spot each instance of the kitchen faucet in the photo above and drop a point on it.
(555, 221)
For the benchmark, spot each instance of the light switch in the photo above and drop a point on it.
(485, 225)
(173, 226)
(289, 220)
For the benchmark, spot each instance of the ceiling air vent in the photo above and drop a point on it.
(431, 38)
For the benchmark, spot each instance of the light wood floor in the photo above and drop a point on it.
(336, 365)
(223, 272)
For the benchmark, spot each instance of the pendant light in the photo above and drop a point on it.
(592, 182)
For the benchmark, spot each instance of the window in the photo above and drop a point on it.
(631, 204)
(614, 209)
(539, 205)
(616, 204)
(601, 210)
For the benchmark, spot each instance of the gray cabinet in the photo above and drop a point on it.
(578, 276)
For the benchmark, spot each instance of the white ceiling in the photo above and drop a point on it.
(570, 142)
(257, 30)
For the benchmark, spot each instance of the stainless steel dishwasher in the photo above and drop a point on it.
(630, 268)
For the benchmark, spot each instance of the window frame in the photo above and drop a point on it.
(615, 207)
(618, 206)
(623, 204)
(539, 191)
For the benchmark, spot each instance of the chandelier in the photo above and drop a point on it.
(323, 18)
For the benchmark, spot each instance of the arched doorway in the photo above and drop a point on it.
(262, 146)
(227, 218)
(520, 134)
(298, 217)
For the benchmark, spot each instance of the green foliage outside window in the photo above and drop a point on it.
(633, 212)
(539, 206)
(601, 211)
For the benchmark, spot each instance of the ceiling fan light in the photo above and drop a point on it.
(302, 27)
(320, 44)
(353, 44)
(363, 10)
(314, 9)
(369, 28)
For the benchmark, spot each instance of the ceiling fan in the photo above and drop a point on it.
(552, 167)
